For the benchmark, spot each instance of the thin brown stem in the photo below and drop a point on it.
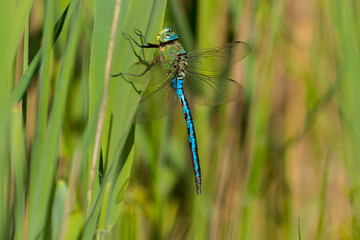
(101, 115)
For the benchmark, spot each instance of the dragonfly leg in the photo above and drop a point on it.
(130, 82)
(131, 41)
(142, 37)
(136, 90)
(140, 34)
(138, 75)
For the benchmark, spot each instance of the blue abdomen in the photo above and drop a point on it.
(177, 85)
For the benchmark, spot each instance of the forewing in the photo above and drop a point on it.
(157, 103)
(211, 90)
(217, 59)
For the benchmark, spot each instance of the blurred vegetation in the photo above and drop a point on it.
(281, 164)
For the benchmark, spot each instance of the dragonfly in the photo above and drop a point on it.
(198, 77)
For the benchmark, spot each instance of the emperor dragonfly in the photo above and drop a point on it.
(178, 74)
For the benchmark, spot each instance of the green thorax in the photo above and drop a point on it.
(172, 55)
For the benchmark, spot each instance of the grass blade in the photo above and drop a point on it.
(42, 181)
(18, 157)
(30, 72)
(117, 139)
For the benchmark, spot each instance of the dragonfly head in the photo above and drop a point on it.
(166, 35)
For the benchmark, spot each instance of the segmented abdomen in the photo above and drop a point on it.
(177, 84)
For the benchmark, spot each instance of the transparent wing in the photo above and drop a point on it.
(217, 59)
(157, 103)
(211, 90)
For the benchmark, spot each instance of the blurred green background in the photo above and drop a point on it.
(284, 163)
